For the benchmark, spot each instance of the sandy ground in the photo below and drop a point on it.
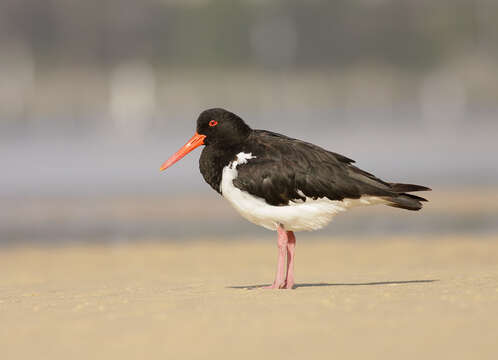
(402, 298)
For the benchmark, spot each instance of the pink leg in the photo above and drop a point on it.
(279, 282)
(291, 250)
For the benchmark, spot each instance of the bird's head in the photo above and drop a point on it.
(214, 127)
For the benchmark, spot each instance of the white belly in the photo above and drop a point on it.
(297, 216)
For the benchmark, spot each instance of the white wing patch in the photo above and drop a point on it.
(297, 216)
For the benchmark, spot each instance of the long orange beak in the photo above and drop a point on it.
(196, 141)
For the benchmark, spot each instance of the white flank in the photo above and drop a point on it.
(297, 216)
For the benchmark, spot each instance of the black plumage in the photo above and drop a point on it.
(286, 170)
(282, 184)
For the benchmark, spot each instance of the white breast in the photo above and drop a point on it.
(297, 216)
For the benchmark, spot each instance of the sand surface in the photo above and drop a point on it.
(404, 298)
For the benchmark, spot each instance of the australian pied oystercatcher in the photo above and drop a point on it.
(284, 184)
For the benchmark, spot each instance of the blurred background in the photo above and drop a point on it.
(95, 95)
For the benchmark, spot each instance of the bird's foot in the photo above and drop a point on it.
(283, 285)
(289, 285)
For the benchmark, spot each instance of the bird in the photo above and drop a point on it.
(284, 184)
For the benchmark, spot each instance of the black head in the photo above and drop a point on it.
(221, 127)
(214, 127)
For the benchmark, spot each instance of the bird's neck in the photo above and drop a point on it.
(214, 159)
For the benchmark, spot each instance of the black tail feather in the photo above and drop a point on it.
(404, 200)
(406, 188)
(415, 197)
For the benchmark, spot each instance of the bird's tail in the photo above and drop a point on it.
(406, 201)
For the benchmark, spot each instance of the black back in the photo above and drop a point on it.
(284, 169)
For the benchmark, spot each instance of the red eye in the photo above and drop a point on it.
(213, 123)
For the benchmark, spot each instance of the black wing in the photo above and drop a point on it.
(285, 169)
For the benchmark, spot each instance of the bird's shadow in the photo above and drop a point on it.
(322, 284)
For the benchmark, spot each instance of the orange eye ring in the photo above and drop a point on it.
(213, 123)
